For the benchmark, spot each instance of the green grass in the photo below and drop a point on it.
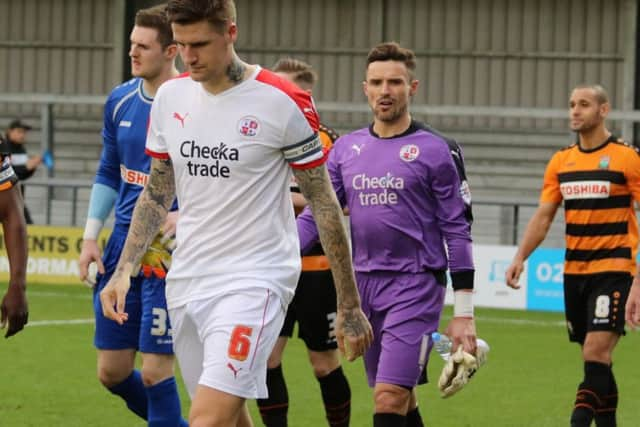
(47, 374)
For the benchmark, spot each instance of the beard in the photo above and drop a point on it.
(391, 115)
(588, 125)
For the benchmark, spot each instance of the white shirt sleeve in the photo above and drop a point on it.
(156, 145)
(302, 146)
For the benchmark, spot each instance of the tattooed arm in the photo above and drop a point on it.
(149, 214)
(352, 325)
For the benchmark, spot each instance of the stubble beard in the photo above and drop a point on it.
(588, 125)
(390, 116)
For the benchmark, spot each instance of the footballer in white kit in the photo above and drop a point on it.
(237, 260)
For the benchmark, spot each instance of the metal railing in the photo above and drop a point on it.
(47, 101)
(50, 184)
(513, 208)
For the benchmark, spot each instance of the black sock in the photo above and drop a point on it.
(606, 414)
(590, 393)
(273, 410)
(336, 396)
(389, 420)
(414, 419)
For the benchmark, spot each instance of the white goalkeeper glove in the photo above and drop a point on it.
(459, 369)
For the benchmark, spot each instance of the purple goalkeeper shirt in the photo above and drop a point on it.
(406, 199)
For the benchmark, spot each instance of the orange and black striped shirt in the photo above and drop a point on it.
(598, 187)
(8, 176)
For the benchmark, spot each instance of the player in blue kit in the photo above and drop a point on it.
(406, 191)
(122, 174)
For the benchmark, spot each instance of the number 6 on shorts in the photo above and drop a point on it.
(239, 343)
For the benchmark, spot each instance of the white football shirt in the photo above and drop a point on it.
(231, 155)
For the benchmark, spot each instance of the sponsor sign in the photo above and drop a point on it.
(53, 254)
(585, 190)
(545, 280)
(491, 263)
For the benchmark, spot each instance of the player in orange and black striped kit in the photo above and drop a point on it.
(313, 307)
(14, 311)
(598, 178)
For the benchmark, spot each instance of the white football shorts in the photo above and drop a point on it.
(223, 342)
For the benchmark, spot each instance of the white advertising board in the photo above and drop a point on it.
(491, 262)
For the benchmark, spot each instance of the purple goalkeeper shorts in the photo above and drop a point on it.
(402, 309)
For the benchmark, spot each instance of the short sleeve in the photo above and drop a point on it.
(303, 147)
(8, 177)
(156, 145)
(633, 174)
(551, 185)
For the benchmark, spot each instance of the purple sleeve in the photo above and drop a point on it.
(454, 225)
(335, 173)
(307, 230)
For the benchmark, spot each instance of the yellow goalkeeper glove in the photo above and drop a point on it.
(157, 260)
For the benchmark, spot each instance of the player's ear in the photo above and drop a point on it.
(413, 86)
(365, 88)
(604, 109)
(171, 51)
(232, 32)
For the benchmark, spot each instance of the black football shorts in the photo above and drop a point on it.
(595, 302)
(314, 308)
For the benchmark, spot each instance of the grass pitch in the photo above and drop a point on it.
(47, 374)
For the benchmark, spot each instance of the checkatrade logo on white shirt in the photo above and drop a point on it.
(214, 160)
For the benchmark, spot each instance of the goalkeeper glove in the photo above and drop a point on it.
(459, 369)
(157, 260)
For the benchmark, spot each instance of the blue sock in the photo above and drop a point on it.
(132, 391)
(164, 405)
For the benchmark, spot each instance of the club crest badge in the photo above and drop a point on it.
(249, 126)
(409, 152)
(604, 162)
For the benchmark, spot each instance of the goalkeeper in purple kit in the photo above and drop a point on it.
(406, 191)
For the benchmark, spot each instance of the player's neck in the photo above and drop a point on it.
(594, 138)
(388, 129)
(150, 86)
(235, 73)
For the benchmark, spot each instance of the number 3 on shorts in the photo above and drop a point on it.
(239, 343)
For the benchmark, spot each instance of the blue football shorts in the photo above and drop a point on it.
(148, 328)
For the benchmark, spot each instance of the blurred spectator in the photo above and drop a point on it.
(23, 165)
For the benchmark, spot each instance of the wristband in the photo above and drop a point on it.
(92, 229)
(463, 304)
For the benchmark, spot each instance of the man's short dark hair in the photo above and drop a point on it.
(156, 18)
(392, 51)
(303, 73)
(18, 124)
(219, 13)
